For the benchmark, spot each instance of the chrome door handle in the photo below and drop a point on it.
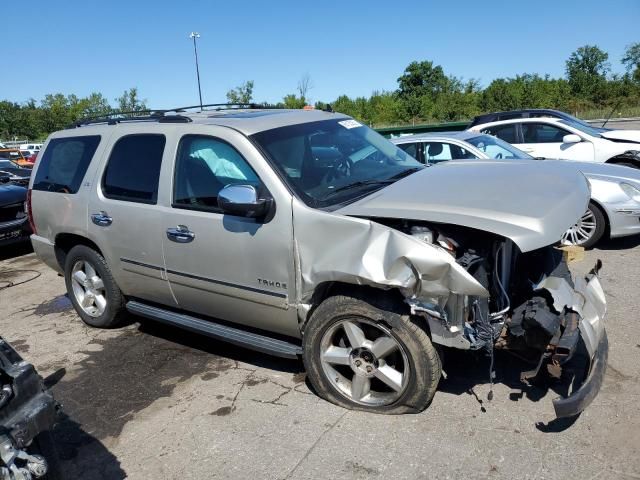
(180, 234)
(101, 219)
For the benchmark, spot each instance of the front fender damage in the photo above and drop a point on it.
(335, 248)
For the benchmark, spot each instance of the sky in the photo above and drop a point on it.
(347, 47)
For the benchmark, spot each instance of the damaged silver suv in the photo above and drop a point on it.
(305, 233)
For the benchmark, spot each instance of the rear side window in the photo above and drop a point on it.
(503, 132)
(133, 169)
(64, 163)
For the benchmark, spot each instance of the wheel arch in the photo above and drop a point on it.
(383, 298)
(627, 158)
(64, 242)
(607, 221)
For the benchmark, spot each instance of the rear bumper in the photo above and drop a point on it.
(46, 251)
(582, 397)
(14, 231)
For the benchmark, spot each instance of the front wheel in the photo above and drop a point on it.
(370, 357)
(588, 230)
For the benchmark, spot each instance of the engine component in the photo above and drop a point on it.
(18, 464)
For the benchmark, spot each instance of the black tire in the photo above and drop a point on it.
(115, 310)
(601, 225)
(425, 366)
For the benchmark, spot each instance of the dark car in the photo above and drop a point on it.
(14, 173)
(14, 225)
(27, 414)
(529, 113)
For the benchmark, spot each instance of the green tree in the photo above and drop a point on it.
(587, 70)
(242, 93)
(293, 101)
(631, 60)
(129, 101)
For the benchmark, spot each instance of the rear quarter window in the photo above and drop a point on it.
(64, 163)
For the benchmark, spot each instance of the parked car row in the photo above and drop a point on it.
(307, 234)
(615, 189)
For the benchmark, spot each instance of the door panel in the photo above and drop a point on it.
(229, 267)
(545, 140)
(124, 220)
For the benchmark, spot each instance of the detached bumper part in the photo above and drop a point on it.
(587, 304)
(581, 398)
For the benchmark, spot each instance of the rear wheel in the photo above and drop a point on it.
(370, 357)
(588, 230)
(92, 289)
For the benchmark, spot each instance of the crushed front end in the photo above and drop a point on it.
(535, 310)
(27, 410)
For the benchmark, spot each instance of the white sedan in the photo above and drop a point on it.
(615, 191)
(567, 140)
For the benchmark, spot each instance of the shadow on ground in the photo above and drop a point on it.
(15, 250)
(622, 243)
(466, 370)
(122, 375)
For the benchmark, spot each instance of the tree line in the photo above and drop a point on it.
(425, 93)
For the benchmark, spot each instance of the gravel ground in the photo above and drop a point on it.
(144, 401)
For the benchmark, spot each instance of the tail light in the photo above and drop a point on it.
(29, 212)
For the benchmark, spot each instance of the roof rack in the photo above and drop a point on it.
(161, 115)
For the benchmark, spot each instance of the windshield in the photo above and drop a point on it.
(583, 127)
(334, 161)
(495, 148)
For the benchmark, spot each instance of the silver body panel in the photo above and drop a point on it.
(264, 274)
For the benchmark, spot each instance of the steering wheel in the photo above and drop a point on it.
(498, 156)
(340, 167)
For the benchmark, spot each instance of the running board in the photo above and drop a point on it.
(242, 338)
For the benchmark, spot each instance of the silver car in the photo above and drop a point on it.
(615, 190)
(306, 234)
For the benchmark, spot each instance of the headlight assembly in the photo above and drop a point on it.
(631, 191)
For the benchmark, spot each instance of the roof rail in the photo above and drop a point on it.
(161, 115)
(226, 106)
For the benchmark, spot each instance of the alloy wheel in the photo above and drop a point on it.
(582, 231)
(88, 288)
(364, 362)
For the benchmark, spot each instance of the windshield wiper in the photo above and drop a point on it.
(406, 173)
(361, 183)
(385, 181)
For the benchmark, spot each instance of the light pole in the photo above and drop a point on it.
(195, 35)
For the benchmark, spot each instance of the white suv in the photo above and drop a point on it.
(560, 138)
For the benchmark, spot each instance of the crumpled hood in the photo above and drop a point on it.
(532, 203)
(628, 135)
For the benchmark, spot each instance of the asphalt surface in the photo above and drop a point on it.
(147, 402)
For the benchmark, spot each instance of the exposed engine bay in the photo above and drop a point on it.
(535, 310)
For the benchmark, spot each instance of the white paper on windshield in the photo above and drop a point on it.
(350, 123)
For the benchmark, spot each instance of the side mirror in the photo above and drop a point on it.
(571, 138)
(242, 200)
